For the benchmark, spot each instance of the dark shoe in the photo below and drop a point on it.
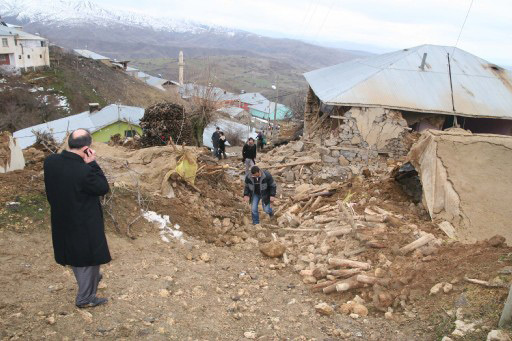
(95, 302)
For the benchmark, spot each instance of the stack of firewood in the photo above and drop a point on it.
(163, 121)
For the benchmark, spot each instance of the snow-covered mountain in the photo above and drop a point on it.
(79, 12)
(124, 34)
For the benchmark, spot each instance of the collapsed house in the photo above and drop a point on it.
(371, 104)
(365, 108)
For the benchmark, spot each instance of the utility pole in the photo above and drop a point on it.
(274, 128)
(181, 65)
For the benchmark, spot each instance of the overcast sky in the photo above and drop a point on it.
(379, 25)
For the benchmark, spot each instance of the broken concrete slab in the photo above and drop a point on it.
(466, 181)
(11, 155)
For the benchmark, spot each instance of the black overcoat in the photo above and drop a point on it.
(73, 188)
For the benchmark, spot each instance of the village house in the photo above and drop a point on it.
(251, 98)
(267, 109)
(219, 96)
(371, 104)
(94, 56)
(102, 123)
(22, 50)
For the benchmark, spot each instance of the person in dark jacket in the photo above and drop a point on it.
(74, 182)
(260, 138)
(222, 146)
(215, 140)
(249, 155)
(259, 185)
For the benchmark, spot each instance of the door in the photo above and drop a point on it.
(4, 59)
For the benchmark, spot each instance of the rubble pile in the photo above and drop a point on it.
(163, 121)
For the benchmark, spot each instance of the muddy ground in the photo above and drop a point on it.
(213, 288)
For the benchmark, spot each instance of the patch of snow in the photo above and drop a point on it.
(165, 226)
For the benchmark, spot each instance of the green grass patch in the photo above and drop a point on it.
(32, 212)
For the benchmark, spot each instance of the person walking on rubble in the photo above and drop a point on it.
(249, 155)
(74, 182)
(215, 141)
(259, 185)
(222, 146)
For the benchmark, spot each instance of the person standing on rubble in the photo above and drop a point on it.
(222, 146)
(259, 185)
(249, 155)
(261, 140)
(74, 182)
(215, 140)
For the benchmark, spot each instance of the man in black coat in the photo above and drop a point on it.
(215, 141)
(74, 182)
(249, 155)
(259, 185)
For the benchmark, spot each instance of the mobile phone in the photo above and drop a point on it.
(87, 151)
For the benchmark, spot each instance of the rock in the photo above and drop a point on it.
(498, 335)
(436, 288)
(388, 315)
(446, 338)
(356, 140)
(360, 310)
(50, 320)
(273, 249)
(251, 335)
(447, 287)
(379, 273)
(164, 293)
(289, 176)
(324, 309)
(226, 222)
(496, 241)
(205, 257)
(216, 222)
(329, 159)
(298, 146)
(343, 161)
(309, 280)
(354, 316)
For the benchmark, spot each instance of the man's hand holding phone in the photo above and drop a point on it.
(89, 155)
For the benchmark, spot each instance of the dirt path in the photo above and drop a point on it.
(165, 291)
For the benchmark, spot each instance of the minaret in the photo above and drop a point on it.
(181, 65)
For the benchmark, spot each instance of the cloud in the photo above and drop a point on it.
(389, 24)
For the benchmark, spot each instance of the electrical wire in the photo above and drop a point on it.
(462, 27)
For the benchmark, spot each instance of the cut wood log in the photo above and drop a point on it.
(394, 221)
(344, 273)
(322, 285)
(417, 243)
(316, 203)
(348, 284)
(302, 230)
(375, 218)
(484, 283)
(376, 244)
(306, 272)
(346, 214)
(320, 219)
(339, 232)
(342, 262)
(367, 279)
(370, 224)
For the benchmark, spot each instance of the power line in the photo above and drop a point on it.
(462, 27)
(325, 20)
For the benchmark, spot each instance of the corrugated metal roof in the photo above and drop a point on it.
(91, 55)
(214, 93)
(12, 31)
(269, 107)
(395, 80)
(252, 98)
(232, 111)
(93, 122)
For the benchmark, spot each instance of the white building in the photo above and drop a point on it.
(20, 49)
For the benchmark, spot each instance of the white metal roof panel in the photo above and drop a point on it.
(395, 80)
(91, 55)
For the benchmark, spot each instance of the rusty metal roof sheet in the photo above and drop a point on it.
(395, 80)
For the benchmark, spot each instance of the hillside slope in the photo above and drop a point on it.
(66, 88)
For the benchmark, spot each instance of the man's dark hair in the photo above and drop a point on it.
(80, 141)
(221, 133)
(255, 169)
(217, 128)
(250, 139)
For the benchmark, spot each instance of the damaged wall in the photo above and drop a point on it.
(466, 181)
(11, 155)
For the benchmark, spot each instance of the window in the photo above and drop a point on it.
(28, 56)
(5, 43)
(16, 42)
(41, 56)
(42, 43)
(130, 133)
(19, 57)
